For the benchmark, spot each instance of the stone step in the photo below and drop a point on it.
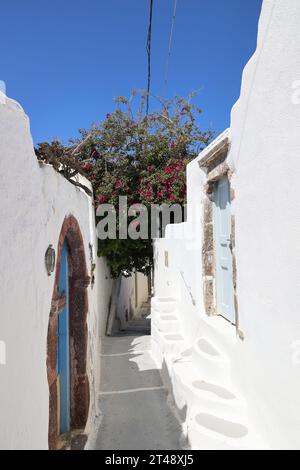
(211, 363)
(194, 391)
(217, 400)
(168, 323)
(200, 378)
(169, 343)
(207, 431)
(164, 304)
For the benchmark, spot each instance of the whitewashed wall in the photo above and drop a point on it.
(264, 155)
(133, 293)
(34, 200)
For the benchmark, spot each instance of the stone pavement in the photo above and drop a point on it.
(133, 400)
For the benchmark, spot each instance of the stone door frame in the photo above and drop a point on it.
(214, 164)
(78, 305)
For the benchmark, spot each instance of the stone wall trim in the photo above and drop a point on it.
(79, 281)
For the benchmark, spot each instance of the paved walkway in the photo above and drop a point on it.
(136, 415)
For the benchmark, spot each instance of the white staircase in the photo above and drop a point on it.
(200, 378)
(165, 327)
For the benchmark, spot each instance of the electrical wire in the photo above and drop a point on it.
(148, 48)
(170, 44)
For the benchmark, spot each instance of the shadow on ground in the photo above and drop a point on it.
(133, 399)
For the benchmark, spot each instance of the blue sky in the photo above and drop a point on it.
(64, 61)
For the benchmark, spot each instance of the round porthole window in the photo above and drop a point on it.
(50, 259)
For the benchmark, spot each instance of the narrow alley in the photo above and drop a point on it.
(150, 236)
(134, 401)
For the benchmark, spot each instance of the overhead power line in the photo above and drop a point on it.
(170, 44)
(148, 47)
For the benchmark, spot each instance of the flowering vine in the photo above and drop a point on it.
(130, 154)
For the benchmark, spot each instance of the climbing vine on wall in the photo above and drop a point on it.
(132, 154)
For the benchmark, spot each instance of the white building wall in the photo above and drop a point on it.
(264, 155)
(133, 293)
(141, 291)
(34, 200)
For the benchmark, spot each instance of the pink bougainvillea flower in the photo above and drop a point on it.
(101, 199)
(87, 167)
(119, 184)
(136, 206)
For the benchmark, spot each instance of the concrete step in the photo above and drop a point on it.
(207, 431)
(216, 417)
(217, 400)
(168, 323)
(142, 326)
(164, 304)
(220, 332)
(140, 322)
(200, 379)
(196, 392)
(169, 343)
(211, 363)
(180, 374)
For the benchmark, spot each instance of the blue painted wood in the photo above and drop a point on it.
(222, 232)
(63, 356)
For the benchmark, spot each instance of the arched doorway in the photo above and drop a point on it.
(67, 336)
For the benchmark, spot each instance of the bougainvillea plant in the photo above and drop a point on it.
(134, 155)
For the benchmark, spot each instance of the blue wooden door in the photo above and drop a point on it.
(63, 351)
(222, 235)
